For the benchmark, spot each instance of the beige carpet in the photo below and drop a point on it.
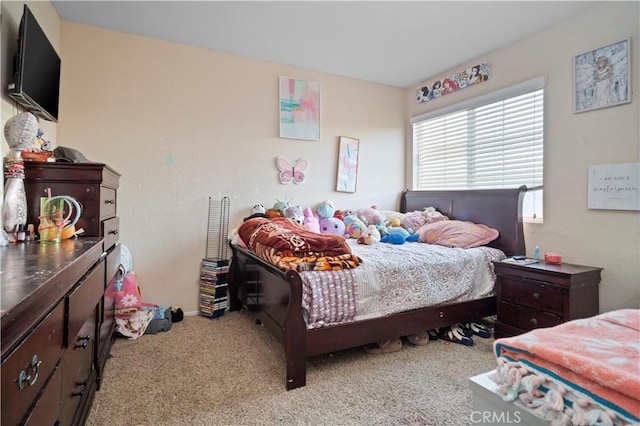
(230, 371)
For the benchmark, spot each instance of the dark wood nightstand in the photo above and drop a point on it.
(543, 295)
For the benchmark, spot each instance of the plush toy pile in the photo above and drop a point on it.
(367, 225)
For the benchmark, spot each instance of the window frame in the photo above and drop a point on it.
(535, 84)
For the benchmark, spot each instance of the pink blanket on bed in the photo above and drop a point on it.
(598, 358)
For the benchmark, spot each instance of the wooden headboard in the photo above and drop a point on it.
(500, 209)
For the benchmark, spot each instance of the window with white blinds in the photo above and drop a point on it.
(495, 141)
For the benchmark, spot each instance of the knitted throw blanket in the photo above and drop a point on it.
(585, 371)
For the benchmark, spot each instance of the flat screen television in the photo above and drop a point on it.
(35, 83)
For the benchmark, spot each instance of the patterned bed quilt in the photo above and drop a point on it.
(396, 278)
(582, 372)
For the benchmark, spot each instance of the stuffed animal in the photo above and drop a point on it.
(280, 205)
(398, 235)
(311, 221)
(257, 211)
(295, 213)
(365, 239)
(394, 223)
(341, 214)
(415, 219)
(331, 225)
(370, 215)
(353, 227)
(373, 232)
(276, 210)
(326, 209)
(369, 236)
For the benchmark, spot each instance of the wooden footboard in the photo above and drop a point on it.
(275, 298)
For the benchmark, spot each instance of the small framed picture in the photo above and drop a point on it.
(348, 152)
(602, 77)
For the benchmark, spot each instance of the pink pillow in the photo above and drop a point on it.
(457, 233)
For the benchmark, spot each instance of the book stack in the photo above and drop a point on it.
(213, 287)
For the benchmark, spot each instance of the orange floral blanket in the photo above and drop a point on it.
(585, 371)
(290, 246)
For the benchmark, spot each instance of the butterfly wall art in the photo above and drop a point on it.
(292, 171)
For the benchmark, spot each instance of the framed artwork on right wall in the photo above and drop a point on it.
(602, 77)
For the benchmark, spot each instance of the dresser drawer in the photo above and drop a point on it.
(83, 300)
(77, 369)
(47, 407)
(33, 360)
(526, 318)
(107, 202)
(111, 232)
(531, 294)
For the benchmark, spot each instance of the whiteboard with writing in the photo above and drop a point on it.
(614, 187)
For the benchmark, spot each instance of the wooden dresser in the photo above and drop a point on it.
(57, 323)
(543, 295)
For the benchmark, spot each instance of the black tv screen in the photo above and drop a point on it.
(36, 80)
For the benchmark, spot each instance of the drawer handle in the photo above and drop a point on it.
(113, 231)
(109, 201)
(84, 387)
(85, 342)
(533, 321)
(23, 379)
(35, 368)
(536, 296)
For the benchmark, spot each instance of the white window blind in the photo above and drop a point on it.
(495, 141)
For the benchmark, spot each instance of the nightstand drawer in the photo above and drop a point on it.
(534, 295)
(526, 318)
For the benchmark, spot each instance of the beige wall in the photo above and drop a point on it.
(183, 124)
(573, 142)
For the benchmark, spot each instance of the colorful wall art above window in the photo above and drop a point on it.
(299, 109)
(292, 171)
(460, 80)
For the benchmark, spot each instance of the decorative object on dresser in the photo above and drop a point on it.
(57, 302)
(19, 131)
(542, 294)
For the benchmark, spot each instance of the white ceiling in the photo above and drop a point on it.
(397, 43)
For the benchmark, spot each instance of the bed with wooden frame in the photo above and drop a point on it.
(274, 296)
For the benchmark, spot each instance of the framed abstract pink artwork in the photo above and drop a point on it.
(299, 109)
